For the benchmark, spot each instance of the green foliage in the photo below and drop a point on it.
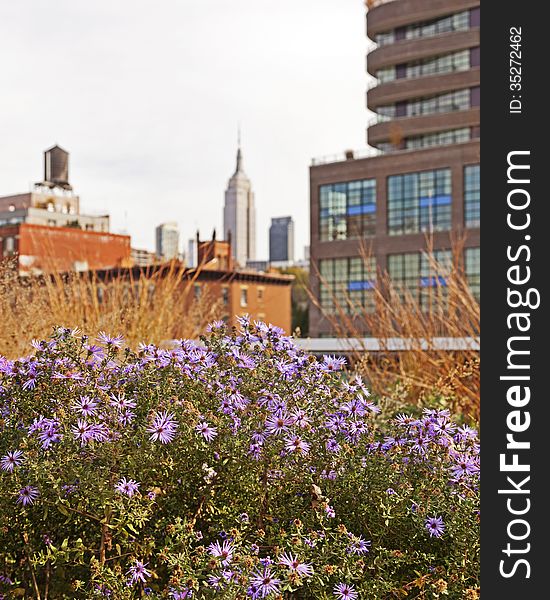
(263, 451)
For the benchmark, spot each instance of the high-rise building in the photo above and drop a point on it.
(420, 179)
(281, 240)
(239, 215)
(167, 237)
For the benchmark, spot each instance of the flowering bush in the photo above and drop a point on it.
(237, 468)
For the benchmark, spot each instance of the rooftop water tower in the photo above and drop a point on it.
(56, 168)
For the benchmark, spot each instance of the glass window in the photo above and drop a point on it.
(441, 138)
(471, 195)
(472, 268)
(244, 297)
(457, 22)
(419, 202)
(348, 285)
(385, 38)
(422, 276)
(386, 74)
(347, 210)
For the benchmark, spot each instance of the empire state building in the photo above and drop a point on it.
(239, 215)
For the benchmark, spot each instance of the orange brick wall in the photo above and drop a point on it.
(42, 248)
(272, 305)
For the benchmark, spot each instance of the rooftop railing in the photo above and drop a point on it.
(368, 152)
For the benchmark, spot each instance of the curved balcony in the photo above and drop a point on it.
(405, 51)
(422, 124)
(386, 16)
(417, 87)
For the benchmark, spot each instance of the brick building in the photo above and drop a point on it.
(41, 248)
(420, 180)
(263, 296)
(45, 229)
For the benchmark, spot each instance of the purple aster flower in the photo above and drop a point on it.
(207, 431)
(215, 581)
(163, 428)
(128, 487)
(126, 417)
(465, 465)
(244, 518)
(224, 551)
(138, 572)
(297, 444)
(404, 420)
(300, 418)
(86, 406)
(81, 431)
(254, 549)
(302, 569)
(330, 512)
(333, 446)
(345, 591)
(355, 408)
(121, 402)
(108, 340)
(435, 526)
(215, 325)
(266, 582)
(276, 424)
(420, 445)
(358, 545)
(9, 461)
(49, 436)
(27, 495)
(331, 363)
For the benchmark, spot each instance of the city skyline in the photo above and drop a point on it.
(152, 127)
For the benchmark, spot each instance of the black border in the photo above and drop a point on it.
(504, 132)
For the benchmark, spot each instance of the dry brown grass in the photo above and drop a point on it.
(421, 373)
(152, 309)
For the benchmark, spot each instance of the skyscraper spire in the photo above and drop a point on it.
(239, 152)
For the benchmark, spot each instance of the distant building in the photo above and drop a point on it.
(167, 238)
(239, 215)
(265, 297)
(214, 254)
(46, 231)
(143, 258)
(258, 265)
(41, 249)
(191, 256)
(281, 240)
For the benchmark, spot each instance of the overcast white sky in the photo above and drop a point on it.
(146, 96)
